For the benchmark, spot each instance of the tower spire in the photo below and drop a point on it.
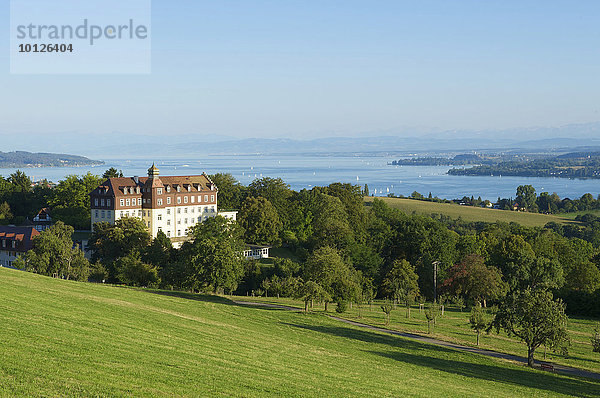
(153, 171)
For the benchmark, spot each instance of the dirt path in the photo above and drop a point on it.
(567, 370)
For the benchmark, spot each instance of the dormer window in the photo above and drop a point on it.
(189, 187)
(168, 188)
(178, 188)
(131, 190)
(137, 189)
(124, 191)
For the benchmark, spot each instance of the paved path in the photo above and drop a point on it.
(558, 368)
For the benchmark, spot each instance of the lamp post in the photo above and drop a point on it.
(435, 266)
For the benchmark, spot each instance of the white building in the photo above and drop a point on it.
(171, 204)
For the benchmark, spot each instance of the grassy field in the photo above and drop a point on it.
(454, 327)
(469, 213)
(64, 338)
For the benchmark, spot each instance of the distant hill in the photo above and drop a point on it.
(29, 159)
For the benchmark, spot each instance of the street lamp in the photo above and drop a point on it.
(435, 267)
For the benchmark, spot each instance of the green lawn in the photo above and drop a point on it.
(64, 338)
(469, 213)
(454, 327)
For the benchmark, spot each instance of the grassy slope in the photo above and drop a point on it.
(468, 213)
(63, 338)
(454, 327)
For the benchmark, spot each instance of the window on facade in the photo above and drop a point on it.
(199, 219)
(206, 198)
(148, 224)
(192, 198)
(168, 222)
(185, 210)
(160, 229)
(185, 199)
(178, 199)
(168, 234)
(96, 202)
(101, 202)
(169, 201)
(121, 214)
(159, 202)
(122, 202)
(199, 198)
(212, 198)
(102, 215)
(159, 191)
(139, 201)
(96, 213)
(168, 211)
(178, 232)
(140, 213)
(159, 217)
(185, 221)
(108, 202)
(179, 210)
(179, 222)
(14, 244)
(127, 202)
(191, 209)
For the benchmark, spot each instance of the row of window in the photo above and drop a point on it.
(185, 232)
(102, 202)
(159, 201)
(12, 243)
(130, 202)
(102, 213)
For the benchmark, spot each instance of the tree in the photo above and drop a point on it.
(312, 291)
(132, 271)
(159, 251)
(431, 314)
(596, 338)
(231, 192)
(109, 242)
(366, 191)
(526, 197)
(112, 173)
(70, 201)
(478, 321)
(326, 267)
(535, 318)
(401, 283)
(214, 258)
(260, 221)
(387, 307)
(473, 280)
(20, 181)
(53, 254)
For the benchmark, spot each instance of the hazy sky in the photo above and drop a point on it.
(304, 68)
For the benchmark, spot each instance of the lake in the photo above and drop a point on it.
(309, 171)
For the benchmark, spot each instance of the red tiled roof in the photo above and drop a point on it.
(23, 235)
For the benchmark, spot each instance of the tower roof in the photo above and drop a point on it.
(153, 171)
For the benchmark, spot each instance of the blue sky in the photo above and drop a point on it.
(321, 68)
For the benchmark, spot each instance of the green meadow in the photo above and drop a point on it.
(473, 214)
(64, 338)
(454, 327)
